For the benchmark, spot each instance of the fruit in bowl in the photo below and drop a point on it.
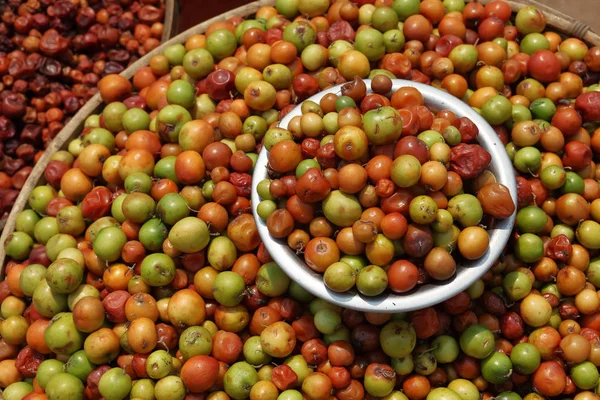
(382, 192)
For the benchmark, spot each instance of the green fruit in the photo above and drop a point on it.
(18, 245)
(516, 285)
(97, 136)
(170, 388)
(47, 369)
(175, 53)
(425, 363)
(113, 116)
(466, 209)
(370, 42)
(406, 171)
(531, 219)
(222, 253)
(228, 288)
(405, 8)
(61, 336)
(496, 368)
(445, 349)
(17, 390)
(287, 8)
(45, 229)
(279, 76)
(497, 110)
(158, 269)
(464, 58)
(404, 365)
(271, 280)
(371, 280)
(189, 235)
(398, 339)
(64, 275)
(533, 42)
(588, 234)
(327, 321)
(109, 242)
(465, 389)
(64, 386)
(114, 384)
(170, 120)
(182, 93)
(135, 119)
(530, 20)
(384, 19)
(171, 208)
(138, 207)
(382, 125)
(195, 341)
(300, 33)
(46, 301)
(239, 379)
(529, 248)
(221, 43)
(443, 394)
(525, 358)
(394, 41)
(152, 234)
(585, 375)
(70, 220)
(79, 365)
(26, 221)
(339, 277)
(30, 277)
(143, 389)
(543, 108)
(423, 210)
(341, 208)
(477, 341)
(39, 198)
(159, 364)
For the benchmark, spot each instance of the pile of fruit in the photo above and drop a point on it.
(52, 54)
(420, 176)
(137, 270)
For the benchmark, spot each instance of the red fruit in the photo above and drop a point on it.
(284, 377)
(549, 379)
(544, 66)
(199, 373)
(589, 105)
(220, 84)
(425, 322)
(577, 155)
(567, 120)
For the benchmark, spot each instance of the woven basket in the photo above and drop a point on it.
(171, 19)
(556, 20)
(170, 26)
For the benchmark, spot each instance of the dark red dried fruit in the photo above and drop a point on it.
(469, 160)
(341, 30)
(242, 182)
(559, 248)
(28, 361)
(468, 129)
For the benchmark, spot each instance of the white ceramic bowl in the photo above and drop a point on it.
(423, 295)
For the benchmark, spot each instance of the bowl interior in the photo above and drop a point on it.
(424, 295)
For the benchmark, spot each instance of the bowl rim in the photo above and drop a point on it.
(423, 295)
